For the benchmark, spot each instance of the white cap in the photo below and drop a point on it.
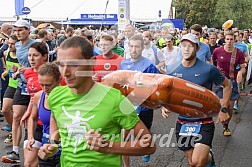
(190, 37)
(22, 23)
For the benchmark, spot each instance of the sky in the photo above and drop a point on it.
(62, 9)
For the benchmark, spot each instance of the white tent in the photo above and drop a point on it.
(60, 10)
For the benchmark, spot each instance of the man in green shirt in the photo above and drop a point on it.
(90, 116)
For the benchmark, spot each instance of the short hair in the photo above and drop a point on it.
(229, 33)
(130, 26)
(42, 33)
(51, 69)
(241, 33)
(79, 42)
(69, 29)
(14, 37)
(168, 36)
(107, 38)
(196, 27)
(40, 47)
(212, 33)
(137, 38)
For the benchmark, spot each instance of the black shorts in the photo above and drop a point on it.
(147, 117)
(53, 161)
(10, 92)
(38, 134)
(19, 99)
(206, 137)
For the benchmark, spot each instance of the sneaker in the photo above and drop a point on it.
(212, 163)
(235, 107)
(8, 140)
(146, 158)
(11, 157)
(226, 132)
(242, 87)
(6, 128)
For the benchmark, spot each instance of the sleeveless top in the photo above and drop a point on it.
(44, 114)
(9, 62)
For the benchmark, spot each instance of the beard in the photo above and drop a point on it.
(190, 58)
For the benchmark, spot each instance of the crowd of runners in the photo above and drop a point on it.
(51, 90)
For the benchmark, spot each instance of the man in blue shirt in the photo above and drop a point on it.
(204, 52)
(198, 148)
(137, 62)
(21, 98)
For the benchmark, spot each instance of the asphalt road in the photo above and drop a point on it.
(228, 151)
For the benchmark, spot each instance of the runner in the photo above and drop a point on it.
(48, 77)
(37, 56)
(88, 115)
(21, 98)
(139, 63)
(197, 144)
(203, 53)
(228, 58)
(11, 60)
(107, 61)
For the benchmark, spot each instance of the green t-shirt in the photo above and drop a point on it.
(10, 60)
(104, 109)
(118, 50)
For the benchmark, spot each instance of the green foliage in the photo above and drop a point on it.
(214, 13)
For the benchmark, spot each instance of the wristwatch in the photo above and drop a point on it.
(224, 109)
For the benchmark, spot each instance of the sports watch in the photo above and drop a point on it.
(224, 109)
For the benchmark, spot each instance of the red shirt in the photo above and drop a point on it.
(223, 60)
(33, 85)
(105, 66)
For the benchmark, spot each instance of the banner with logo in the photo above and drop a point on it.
(123, 14)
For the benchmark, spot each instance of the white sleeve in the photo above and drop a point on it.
(160, 55)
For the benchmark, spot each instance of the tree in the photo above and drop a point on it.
(239, 11)
(195, 11)
(214, 13)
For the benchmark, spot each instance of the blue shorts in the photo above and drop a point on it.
(235, 91)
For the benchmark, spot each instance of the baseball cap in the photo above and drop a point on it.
(190, 37)
(22, 23)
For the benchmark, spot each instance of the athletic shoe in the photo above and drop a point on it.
(235, 106)
(226, 132)
(11, 157)
(6, 128)
(146, 158)
(212, 163)
(242, 87)
(8, 140)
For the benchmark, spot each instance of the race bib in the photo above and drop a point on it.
(45, 138)
(190, 129)
(10, 73)
(24, 90)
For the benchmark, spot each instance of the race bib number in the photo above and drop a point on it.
(24, 90)
(10, 73)
(190, 129)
